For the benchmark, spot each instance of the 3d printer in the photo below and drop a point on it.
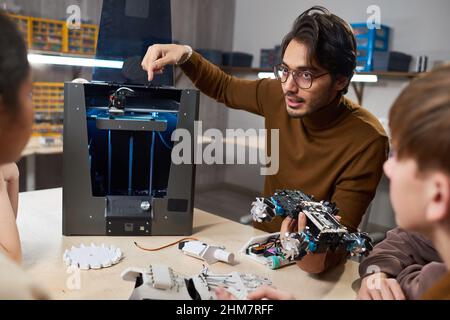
(119, 178)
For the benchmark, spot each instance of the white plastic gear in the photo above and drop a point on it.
(258, 210)
(92, 257)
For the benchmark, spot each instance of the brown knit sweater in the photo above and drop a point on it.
(335, 153)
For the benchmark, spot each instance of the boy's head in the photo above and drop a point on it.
(419, 169)
(16, 111)
(322, 44)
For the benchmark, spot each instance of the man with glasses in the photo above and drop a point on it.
(329, 146)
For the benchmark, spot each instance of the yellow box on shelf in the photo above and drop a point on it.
(48, 102)
(83, 41)
(51, 35)
(48, 35)
(24, 26)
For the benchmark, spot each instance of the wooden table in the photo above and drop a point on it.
(33, 148)
(43, 246)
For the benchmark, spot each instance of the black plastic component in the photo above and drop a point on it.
(323, 231)
(177, 205)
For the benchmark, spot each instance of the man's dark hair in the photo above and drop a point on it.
(329, 39)
(14, 66)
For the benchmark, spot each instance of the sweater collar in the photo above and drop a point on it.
(327, 116)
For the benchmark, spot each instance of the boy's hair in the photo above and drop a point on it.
(330, 41)
(419, 121)
(14, 66)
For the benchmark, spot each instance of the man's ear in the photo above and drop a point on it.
(438, 207)
(341, 82)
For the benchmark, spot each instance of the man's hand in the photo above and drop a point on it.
(262, 293)
(160, 55)
(266, 292)
(312, 262)
(290, 225)
(378, 286)
(223, 294)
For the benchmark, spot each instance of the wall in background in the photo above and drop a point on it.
(419, 27)
(205, 24)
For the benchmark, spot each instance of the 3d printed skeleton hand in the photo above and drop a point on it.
(162, 283)
(323, 231)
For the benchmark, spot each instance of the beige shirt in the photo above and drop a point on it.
(15, 284)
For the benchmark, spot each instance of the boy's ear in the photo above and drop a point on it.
(438, 208)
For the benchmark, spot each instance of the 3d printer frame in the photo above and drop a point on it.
(118, 175)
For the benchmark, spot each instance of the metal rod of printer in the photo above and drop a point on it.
(152, 153)
(109, 161)
(130, 165)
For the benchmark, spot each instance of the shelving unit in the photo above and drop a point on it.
(24, 26)
(83, 41)
(389, 74)
(47, 35)
(244, 69)
(48, 102)
(358, 87)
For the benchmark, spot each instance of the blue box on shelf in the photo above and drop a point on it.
(369, 40)
(391, 61)
(213, 56)
(270, 57)
(237, 59)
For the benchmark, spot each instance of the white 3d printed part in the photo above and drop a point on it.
(159, 282)
(92, 257)
(211, 254)
(272, 262)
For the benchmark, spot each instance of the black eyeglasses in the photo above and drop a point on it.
(303, 79)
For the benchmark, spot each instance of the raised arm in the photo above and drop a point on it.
(249, 95)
